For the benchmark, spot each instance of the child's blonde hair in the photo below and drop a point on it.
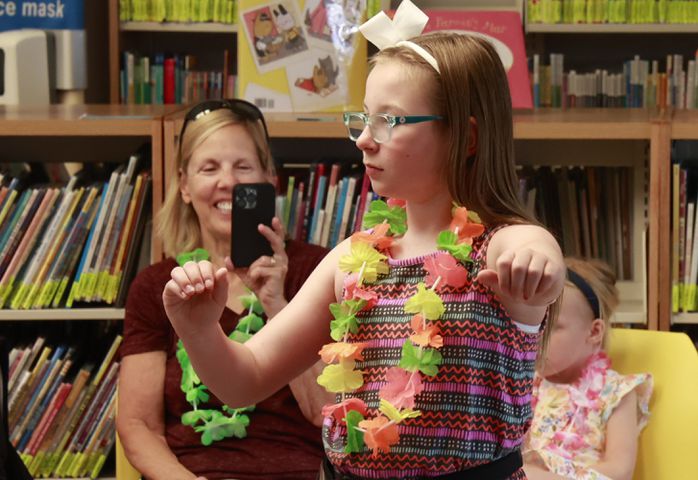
(602, 280)
(472, 83)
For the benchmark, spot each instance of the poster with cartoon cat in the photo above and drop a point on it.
(275, 33)
(317, 83)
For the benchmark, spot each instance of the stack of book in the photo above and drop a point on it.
(220, 11)
(612, 11)
(684, 241)
(323, 206)
(588, 209)
(61, 426)
(160, 79)
(61, 245)
(638, 84)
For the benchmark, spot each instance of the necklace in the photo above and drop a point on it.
(420, 352)
(215, 424)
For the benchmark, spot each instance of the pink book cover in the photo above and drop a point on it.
(504, 30)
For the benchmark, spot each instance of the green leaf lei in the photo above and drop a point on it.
(213, 424)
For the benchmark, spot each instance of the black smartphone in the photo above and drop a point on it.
(253, 203)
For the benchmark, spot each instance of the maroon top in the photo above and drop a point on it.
(280, 442)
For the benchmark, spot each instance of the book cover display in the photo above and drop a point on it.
(504, 30)
(301, 55)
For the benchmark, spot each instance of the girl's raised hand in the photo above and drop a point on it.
(526, 276)
(195, 296)
(265, 277)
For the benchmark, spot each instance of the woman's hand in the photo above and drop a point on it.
(526, 276)
(265, 277)
(195, 296)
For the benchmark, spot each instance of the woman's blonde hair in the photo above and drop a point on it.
(176, 224)
(471, 83)
(602, 280)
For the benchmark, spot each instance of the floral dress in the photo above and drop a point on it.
(568, 433)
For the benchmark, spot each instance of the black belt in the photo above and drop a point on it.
(499, 469)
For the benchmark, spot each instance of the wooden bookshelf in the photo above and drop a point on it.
(684, 126)
(638, 28)
(192, 37)
(605, 127)
(83, 133)
(605, 137)
(108, 132)
(582, 124)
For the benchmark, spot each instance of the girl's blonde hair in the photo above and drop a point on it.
(602, 280)
(176, 224)
(472, 83)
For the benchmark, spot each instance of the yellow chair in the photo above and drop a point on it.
(668, 447)
(124, 470)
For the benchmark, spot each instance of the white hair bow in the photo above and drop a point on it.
(408, 22)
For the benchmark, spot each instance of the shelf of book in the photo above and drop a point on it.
(178, 27)
(62, 314)
(100, 122)
(638, 28)
(684, 126)
(551, 137)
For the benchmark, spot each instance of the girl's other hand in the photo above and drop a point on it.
(266, 276)
(525, 276)
(195, 296)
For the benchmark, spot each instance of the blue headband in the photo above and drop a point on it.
(586, 290)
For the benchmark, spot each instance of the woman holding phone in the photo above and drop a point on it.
(170, 425)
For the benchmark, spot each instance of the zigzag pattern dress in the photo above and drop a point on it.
(475, 410)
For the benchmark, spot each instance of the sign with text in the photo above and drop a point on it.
(42, 14)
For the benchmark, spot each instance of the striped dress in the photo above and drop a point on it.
(475, 410)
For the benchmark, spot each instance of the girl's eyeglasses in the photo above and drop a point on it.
(242, 108)
(380, 124)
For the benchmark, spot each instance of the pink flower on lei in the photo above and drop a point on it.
(354, 292)
(401, 388)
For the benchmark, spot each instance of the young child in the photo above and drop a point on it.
(587, 417)
(436, 309)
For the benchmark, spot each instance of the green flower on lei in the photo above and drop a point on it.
(214, 424)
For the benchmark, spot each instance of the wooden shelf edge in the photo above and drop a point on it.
(194, 27)
(63, 314)
(684, 131)
(640, 28)
(684, 318)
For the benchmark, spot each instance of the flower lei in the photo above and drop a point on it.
(420, 352)
(214, 424)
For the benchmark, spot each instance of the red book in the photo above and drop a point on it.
(361, 207)
(48, 417)
(505, 31)
(169, 80)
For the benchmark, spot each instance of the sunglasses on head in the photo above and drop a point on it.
(242, 108)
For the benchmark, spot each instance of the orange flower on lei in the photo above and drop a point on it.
(467, 229)
(379, 436)
(378, 237)
(425, 335)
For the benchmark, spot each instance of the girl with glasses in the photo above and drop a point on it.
(435, 311)
(222, 143)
